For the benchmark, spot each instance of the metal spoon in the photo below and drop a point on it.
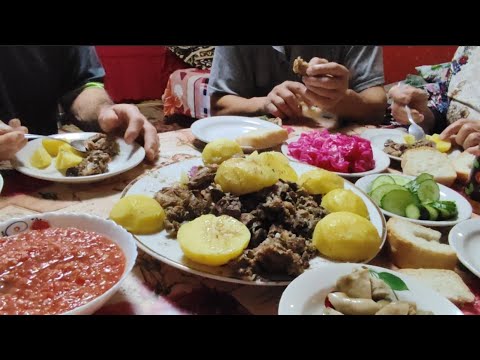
(78, 145)
(414, 129)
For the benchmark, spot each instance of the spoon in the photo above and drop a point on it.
(414, 129)
(78, 145)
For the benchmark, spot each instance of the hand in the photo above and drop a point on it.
(12, 138)
(465, 133)
(282, 101)
(415, 98)
(326, 83)
(113, 117)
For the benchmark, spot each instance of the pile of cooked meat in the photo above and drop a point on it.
(281, 220)
(101, 150)
(397, 149)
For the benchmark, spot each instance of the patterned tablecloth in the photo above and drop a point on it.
(154, 287)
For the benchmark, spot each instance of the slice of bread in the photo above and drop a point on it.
(263, 139)
(429, 160)
(415, 246)
(446, 282)
(463, 164)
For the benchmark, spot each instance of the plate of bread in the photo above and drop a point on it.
(424, 253)
(250, 133)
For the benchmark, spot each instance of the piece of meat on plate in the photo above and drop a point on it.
(105, 143)
(94, 164)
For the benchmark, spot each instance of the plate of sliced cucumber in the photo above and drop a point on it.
(419, 199)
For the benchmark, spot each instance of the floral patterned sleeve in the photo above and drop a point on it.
(437, 78)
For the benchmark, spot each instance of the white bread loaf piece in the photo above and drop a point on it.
(429, 160)
(263, 139)
(415, 246)
(463, 164)
(446, 282)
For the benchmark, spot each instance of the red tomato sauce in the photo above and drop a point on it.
(51, 271)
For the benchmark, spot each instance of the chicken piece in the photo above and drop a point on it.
(348, 306)
(300, 66)
(356, 285)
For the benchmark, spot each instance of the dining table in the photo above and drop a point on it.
(154, 287)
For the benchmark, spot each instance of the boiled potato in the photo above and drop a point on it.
(441, 145)
(217, 151)
(52, 146)
(138, 214)
(40, 158)
(212, 240)
(345, 236)
(71, 149)
(278, 162)
(67, 159)
(240, 176)
(320, 181)
(344, 200)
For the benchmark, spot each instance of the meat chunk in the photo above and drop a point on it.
(95, 163)
(202, 177)
(102, 142)
(300, 66)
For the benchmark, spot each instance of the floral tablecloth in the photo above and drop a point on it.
(154, 287)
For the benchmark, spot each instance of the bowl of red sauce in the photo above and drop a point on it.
(61, 263)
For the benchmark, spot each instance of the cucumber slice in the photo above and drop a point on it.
(396, 201)
(422, 177)
(380, 191)
(428, 191)
(432, 212)
(400, 180)
(382, 180)
(412, 212)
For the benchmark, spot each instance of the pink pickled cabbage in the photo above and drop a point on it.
(334, 152)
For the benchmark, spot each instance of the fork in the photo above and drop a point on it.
(414, 129)
(76, 144)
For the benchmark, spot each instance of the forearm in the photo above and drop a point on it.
(87, 105)
(367, 107)
(237, 105)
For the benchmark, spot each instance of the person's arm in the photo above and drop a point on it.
(237, 105)
(90, 105)
(367, 106)
(231, 83)
(366, 100)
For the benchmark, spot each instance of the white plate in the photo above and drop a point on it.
(88, 223)
(130, 156)
(464, 238)
(382, 162)
(166, 249)
(463, 206)
(229, 127)
(306, 294)
(378, 137)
